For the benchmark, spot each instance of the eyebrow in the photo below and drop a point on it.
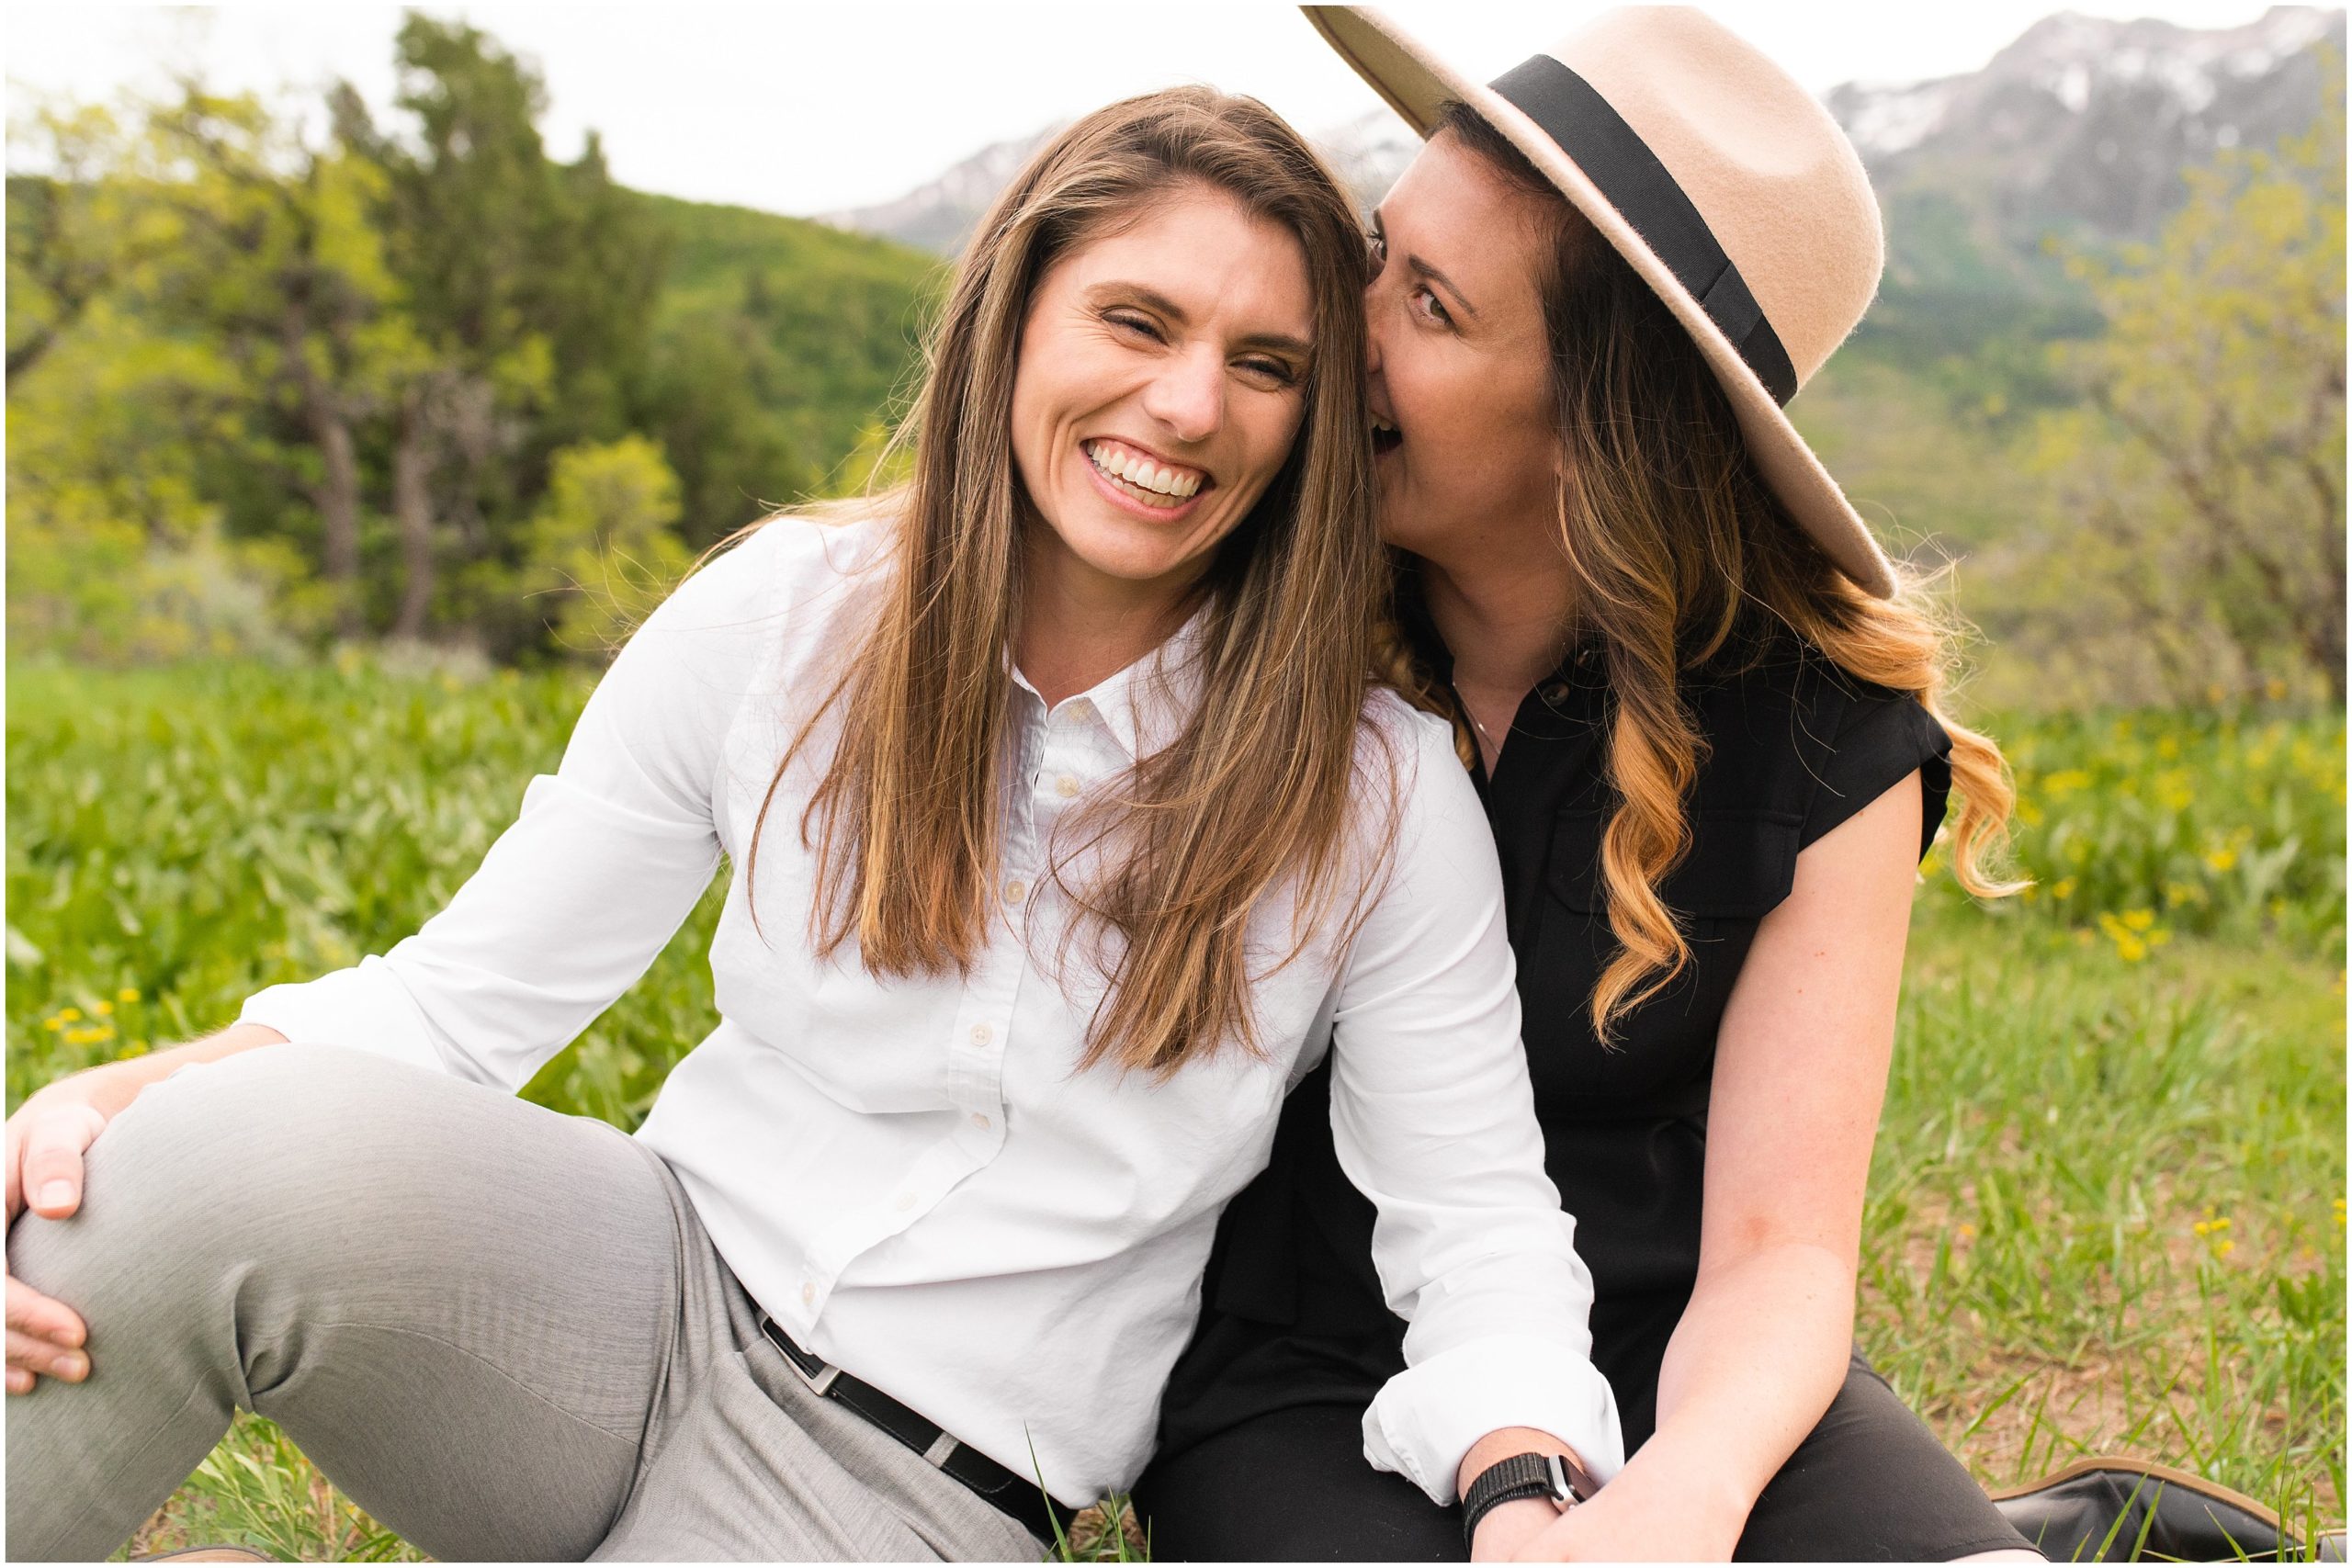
(1153, 299)
(1425, 270)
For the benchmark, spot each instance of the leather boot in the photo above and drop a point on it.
(2125, 1510)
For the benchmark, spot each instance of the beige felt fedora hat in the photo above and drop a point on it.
(1720, 179)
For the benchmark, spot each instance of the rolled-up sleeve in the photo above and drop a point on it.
(1433, 1119)
(606, 859)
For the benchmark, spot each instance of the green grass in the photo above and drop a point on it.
(2106, 1211)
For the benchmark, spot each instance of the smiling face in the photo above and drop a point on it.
(1460, 391)
(1161, 380)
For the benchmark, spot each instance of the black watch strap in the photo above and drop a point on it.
(1523, 1475)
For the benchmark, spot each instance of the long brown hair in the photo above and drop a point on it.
(1680, 552)
(1256, 787)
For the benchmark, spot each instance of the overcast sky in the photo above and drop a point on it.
(807, 108)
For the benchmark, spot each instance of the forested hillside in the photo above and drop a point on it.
(415, 380)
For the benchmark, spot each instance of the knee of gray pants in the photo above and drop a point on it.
(249, 1177)
(246, 1223)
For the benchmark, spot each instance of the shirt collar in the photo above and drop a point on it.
(1146, 705)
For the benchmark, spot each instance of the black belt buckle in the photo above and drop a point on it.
(819, 1374)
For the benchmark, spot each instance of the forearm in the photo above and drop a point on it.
(1759, 1353)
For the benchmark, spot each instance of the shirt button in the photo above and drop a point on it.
(979, 1121)
(1015, 891)
(808, 1296)
(983, 1034)
(1067, 787)
(905, 1201)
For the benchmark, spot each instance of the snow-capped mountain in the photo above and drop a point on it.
(2085, 123)
(2080, 128)
(1367, 153)
(938, 216)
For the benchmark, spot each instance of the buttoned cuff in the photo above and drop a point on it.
(365, 1007)
(1427, 1417)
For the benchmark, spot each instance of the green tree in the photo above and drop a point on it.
(604, 545)
(278, 258)
(531, 281)
(2205, 467)
(206, 307)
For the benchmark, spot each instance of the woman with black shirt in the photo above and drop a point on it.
(1701, 710)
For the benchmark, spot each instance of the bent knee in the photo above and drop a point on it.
(270, 1109)
(282, 1143)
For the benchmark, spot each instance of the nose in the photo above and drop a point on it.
(1188, 395)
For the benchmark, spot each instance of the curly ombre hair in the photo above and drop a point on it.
(1680, 552)
(1256, 789)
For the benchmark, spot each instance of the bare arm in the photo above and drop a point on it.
(1800, 1075)
(46, 1138)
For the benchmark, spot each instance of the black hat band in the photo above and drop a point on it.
(1621, 164)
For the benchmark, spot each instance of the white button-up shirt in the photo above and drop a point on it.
(912, 1176)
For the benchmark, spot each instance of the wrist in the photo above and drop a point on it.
(1507, 1526)
(1535, 1487)
(1501, 1444)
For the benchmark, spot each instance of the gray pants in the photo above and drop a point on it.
(500, 1330)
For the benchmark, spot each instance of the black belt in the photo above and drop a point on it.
(1022, 1499)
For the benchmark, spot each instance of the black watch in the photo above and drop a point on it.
(1523, 1475)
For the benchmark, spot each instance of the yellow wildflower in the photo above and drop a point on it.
(2139, 920)
(102, 1007)
(70, 1015)
(128, 994)
(2221, 860)
(2062, 888)
(52, 1023)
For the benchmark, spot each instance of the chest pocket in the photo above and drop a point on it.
(1741, 864)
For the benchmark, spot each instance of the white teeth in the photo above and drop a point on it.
(1142, 472)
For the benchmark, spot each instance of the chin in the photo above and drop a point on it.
(1115, 552)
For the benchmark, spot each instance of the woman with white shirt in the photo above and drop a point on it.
(1067, 829)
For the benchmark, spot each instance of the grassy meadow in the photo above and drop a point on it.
(2107, 1212)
